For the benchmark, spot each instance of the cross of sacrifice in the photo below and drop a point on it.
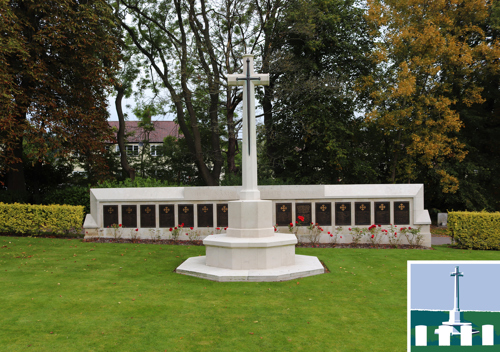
(456, 303)
(249, 79)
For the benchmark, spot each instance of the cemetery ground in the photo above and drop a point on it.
(69, 295)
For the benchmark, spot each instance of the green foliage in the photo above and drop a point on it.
(475, 230)
(36, 219)
(138, 182)
(314, 130)
(75, 195)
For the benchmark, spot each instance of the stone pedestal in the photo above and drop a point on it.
(251, 250)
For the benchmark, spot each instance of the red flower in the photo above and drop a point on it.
(190, 228)
(379, 225)
(291, 224)
(218, 228)
(373, 236)
(137, 229)
(120, 225)
(321, 229)
(301, 218)
(175, 228)
(409, 228)
(187, 234)
(330, 234)
(181, 225)
(340, 236)
(225, 228)
(350, 229)
(395, 233)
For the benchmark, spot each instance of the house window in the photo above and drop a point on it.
(132, 149)
(156, 150)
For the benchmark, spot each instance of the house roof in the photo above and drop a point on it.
(135, 134)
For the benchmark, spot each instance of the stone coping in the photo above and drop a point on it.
(222, 240)
(304, 266)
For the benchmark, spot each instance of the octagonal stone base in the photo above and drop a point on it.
(304, 266)
(224, 251)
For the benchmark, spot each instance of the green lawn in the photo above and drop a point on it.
(68, 295)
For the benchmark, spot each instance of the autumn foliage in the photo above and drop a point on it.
(428, 54)
(57, 58)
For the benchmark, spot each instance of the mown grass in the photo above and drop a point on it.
(69, 295)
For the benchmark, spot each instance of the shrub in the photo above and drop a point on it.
(475, 230)
(74, 195)
(35, 219)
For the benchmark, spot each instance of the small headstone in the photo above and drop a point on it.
(382, 213)
(148, 216)
(324, 214)
(303, 209)
(167, 215)
(222, 212)
(186, 215)
(129, 215)
(402, 213)
(283, 214)
(442, 219)
(342, 214)
(110, 215)
(205, 215)
(362, 213)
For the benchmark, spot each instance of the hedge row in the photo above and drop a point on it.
(35, 219)
(475, 230)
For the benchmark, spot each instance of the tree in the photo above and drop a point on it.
(428, 54)
(322, 51)
(56, 62)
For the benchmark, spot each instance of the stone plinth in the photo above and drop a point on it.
(250, 219)
(304, 266)
(223, 251)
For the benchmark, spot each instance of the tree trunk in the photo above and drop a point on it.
(121, 133)
(15, 177)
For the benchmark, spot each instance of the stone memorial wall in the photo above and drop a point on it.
(156, 210)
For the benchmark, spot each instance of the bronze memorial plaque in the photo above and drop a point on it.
(129, 215)
(167, 215)
(324, 214)
(148, 215)
(342, 213)
(402, 213)
(362, 213)
(186, 215)
(303, 209)
(205, 215)
(222, 218)
(283, 214)
(382, 213)
(110, 215)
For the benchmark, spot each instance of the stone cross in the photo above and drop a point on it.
(249, 79)
(456, 303)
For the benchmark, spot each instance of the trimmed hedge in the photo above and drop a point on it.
(35, 219)
(475, 230)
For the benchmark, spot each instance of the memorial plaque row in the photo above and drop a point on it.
(343, 211)
(166, 214)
